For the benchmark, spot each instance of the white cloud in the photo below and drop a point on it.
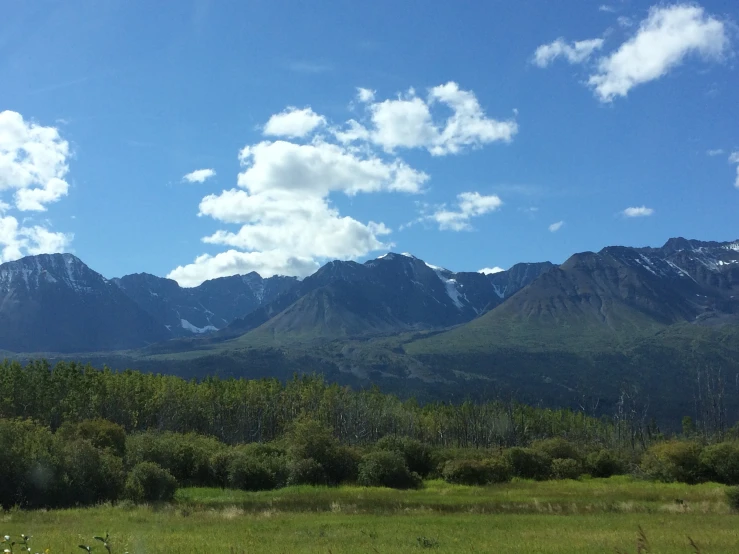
(365, 95)
(409, 122)
(33, 162)
(33, 165)
(664, 39)
(577, 52)
(233, 262)
(640, 211)
(734, 159)
(17, 241)
(606, 8)
(469, 205)
(199, 175)
(286, 222)
(293, 123)
(554, 227)
(715, 152)
(491, 270)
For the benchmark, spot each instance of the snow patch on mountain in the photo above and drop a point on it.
(198, 330)
(451, 287)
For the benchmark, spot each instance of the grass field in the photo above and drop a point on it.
(521, 517)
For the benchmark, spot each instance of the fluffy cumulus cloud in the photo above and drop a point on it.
(663, 40)
(293, 123)
(282, 211)
(33, 167)
(469, 205)
(734, 159)
(445, 121)
(491, 270)
(554, 227)
(638, 211)
(577, 52)
(199, 175)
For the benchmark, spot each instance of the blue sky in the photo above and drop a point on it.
(483, 134)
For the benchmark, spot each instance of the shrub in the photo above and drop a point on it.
(103, 434)
(306, 472)
(604, 463)
(30, 465)
(386, 469)
(91, 476)
(732, 497)
(528, 463)
(418, 456)
(476, 472)
(149, 482)
(674, 461)
(721, 462)
(566, 468)
(308, 439)
(248, 473)
(557, 448)
(186, 456)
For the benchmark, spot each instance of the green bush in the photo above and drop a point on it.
(91, 476)
(30, 466)
(186, 456)
(557, 448)
(306, 472)
(528, 463)
(103, 434)
(386, 469)
(476, 472)
(604, 463)
(674, 461)
(721, 462)
(149, 482)
(308, 439)
(732, 498)
(566, 468)
(418, 456)
(248, 473)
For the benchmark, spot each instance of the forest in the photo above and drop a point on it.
(72, 435)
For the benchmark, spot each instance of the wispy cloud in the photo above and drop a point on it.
(715, 152)
(664, 39)
(640, 211)
(606, 8)
(199, 175)
(309, 67)
(469, 205)
(734, 159)
(576, 52)
(554, 227)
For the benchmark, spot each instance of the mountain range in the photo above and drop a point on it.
(653, 319)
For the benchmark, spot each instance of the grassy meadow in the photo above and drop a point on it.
(592, 515)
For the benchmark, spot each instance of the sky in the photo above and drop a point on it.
(203, 138)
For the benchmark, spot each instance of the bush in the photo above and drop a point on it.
(566, 468)
(30, 466)
(604, 463)
(386, 469)
(248, 473)
(149, 482)
(418, 456)
(528, 463)
(721, 462)
(103, 434)
(674, 461)
(476, 472)
(732, 497)
(557, 448)
(91, 476)
(186, 456)
(308, 439)
(306, 472)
